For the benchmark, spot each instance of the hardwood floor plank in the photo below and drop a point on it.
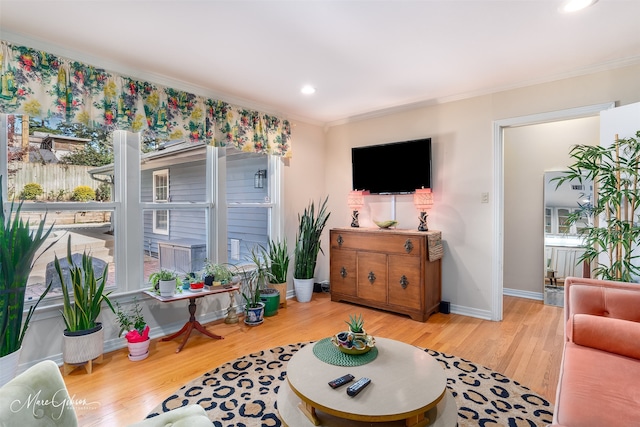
(526, 346)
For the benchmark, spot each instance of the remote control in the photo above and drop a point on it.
(341, 381)
(358, 386)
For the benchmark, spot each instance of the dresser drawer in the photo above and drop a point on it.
(381, 241)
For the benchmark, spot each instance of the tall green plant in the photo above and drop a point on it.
(307, 247)
(18, 247)
(88, 293)
(615, 172)
(278, 256)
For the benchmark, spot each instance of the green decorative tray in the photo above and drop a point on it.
(329, 353)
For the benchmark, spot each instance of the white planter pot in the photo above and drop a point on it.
(167, 287)
(82, 346)
(9, 366)
(138, 350)
(303, 288)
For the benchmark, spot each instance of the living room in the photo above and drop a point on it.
(464, 167)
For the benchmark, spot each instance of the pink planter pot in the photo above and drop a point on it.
(138, 350)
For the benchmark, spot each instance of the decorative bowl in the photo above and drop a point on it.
(353, 345)
(386, 224)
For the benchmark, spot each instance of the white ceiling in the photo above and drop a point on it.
(362, 56)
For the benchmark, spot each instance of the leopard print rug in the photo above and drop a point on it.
(242, 393)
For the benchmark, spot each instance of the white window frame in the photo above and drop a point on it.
(156, 212)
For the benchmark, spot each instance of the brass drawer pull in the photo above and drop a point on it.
(343, 272)
(404, 282)
(408, 246)
(371, 277)
(340, 240)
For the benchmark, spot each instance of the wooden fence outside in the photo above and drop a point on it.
(52, 178)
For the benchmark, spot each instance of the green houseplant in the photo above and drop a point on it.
(613, 235)
(216, 274)
(310, 226)
(18, 247)
(277, 255)
(84, 336)
(255, 279)
(165, 282)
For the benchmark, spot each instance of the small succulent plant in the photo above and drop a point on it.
(355, 323)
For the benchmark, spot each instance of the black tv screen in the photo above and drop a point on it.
(395, 168)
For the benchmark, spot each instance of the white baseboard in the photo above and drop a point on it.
(471, 312)
(539, 296)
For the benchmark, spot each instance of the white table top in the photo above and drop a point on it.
(404, 380)
(186, 294)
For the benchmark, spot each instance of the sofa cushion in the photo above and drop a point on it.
(597, 389)
(605, 333)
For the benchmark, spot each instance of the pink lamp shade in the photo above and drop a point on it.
(423, 199)
(355, 200)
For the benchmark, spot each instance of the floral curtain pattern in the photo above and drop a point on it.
(47, 86)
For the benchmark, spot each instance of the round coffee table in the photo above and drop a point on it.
(408, 387)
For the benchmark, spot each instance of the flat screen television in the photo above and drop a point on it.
(394, 168)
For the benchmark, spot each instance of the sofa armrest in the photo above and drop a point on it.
(604, 333)
(37, 397)
(186, 416)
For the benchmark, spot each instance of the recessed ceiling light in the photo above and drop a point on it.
(308, 89)
(576, 5)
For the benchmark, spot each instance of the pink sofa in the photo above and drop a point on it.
(599, 382)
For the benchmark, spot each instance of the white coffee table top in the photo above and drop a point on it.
(405, 381)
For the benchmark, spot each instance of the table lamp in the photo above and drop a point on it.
(355, 200)
(423, 200)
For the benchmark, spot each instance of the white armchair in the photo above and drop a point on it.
(38, 397)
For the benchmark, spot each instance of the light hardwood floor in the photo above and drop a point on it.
(526, 346)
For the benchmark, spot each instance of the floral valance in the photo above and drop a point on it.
(47, 86)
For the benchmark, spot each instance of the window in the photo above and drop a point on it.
(54, 174)
(210, 195)
(160, 195)
(249, 205)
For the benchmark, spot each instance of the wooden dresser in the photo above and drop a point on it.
(395, 270)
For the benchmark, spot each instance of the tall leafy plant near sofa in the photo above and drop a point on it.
(614, 233)
(18, 247)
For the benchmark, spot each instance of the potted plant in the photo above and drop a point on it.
(615, 172)
(356, 325)
(256, 277)
(193, 282)
(137, 331)
(277, 255)
(307, 247)
(83, 339)
(216, 274)
(18, 247)
(165, 282)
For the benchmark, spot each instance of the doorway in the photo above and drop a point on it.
(497, 287)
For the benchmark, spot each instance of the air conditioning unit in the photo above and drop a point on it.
(182, 256)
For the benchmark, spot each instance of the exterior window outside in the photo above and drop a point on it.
(161, 194)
